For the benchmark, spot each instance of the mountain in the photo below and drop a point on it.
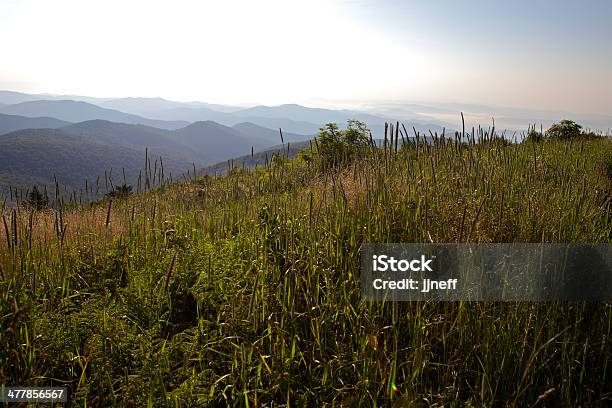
(311, 119)
(42, 141)
(85, 150)
(319, 116)
(305, 114)
(215, 106)
(158, 106)
(159, 142)
(137, 106)
(291, 118)
(76, 111)
(200, 143)
(192, 114)
(11, 123)
(12, 97)
(271, 135)
(288, 125)
(122, 134)
(215, 142)
(34, 156)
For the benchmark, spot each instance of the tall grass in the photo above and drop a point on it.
(243, 290)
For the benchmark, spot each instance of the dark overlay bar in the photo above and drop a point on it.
(486, 272)
(33, 394)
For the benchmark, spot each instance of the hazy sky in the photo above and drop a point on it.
(536, 54)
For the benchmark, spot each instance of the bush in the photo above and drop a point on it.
(336, 147)
(564, 130)
(38, 200)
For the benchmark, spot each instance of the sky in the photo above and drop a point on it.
(552, 54)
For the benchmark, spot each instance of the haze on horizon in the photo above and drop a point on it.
(549, 55)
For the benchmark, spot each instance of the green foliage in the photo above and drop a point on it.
(337, 147)
(566, 129)
(38, 200)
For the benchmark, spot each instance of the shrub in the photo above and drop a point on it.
(38, 200)
(566, 129)
(337, 147)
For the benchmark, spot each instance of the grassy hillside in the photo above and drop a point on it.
(243, 290)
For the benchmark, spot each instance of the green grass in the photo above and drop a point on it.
(243, 290)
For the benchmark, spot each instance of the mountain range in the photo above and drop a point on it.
(86, 150)
(162, 113)
(78, 111)
(10, 123)
(76, 137)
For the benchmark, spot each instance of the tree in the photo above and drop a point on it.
(38, 200)
(337, 146)
(566, 129)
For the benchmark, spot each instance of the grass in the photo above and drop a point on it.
(243, 290)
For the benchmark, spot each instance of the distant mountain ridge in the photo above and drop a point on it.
(313, 115)
(150, 106)
(13, 97)
(43, 135)
(76, 111)
(11, 123)
(292, 118)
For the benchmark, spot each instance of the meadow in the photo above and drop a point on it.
(243, 289)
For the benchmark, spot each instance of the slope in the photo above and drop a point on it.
(214, 142)
(267, 134)
(11, 123)
(34, 156)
